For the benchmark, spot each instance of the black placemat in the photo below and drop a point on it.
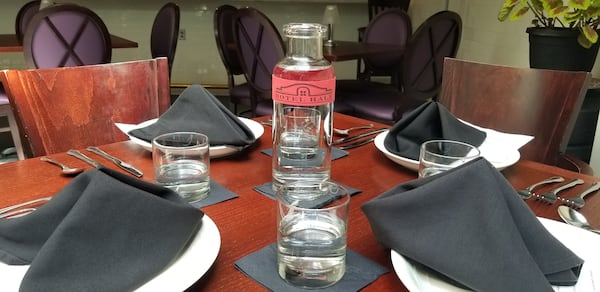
(261, 266)
(267, 190)
(216, 195)
(336, 153)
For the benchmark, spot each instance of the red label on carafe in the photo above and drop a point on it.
(303, 93)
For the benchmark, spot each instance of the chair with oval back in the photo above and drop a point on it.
(165, 33)
(421, 72)
(66, 35)
(537, 102)
(73, 107)
(375, 7)
(390, 27)
(24, 16)
(260, 47)
(223, 24)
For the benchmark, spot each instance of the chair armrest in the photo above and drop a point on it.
(572, 163)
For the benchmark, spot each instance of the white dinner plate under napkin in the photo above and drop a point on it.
(581, 242)
(193, 263)
(215, 151)
(500, 149)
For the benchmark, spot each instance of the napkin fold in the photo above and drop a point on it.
(104, 231)
(430, 121)
(197, 110)
(470, 225)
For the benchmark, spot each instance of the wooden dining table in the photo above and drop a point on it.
(248, 223)
(11, 43)
(351, 50)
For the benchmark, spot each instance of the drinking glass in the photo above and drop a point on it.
(312, 228)
(182, 162)
(440, 155)
(300, 151)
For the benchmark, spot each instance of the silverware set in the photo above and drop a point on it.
(22, 209)
(343, 142)
(70, 171)
(552, 196)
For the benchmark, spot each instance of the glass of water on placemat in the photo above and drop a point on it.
(311, 238)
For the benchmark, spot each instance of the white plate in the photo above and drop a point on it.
(496, 148)
(215, 151)
(193, 263)
(583, 243)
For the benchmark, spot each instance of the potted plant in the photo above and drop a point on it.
(563, 35)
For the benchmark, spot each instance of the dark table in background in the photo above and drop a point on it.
(10, 43)
(349, 50)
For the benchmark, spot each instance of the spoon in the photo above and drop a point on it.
(346, 132)
(571, 216)
(66, 171)
(528, 192)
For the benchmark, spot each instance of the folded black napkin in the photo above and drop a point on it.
(261, 266)
(430, 121)
(105, 231)
(197, 110)
(471, 226)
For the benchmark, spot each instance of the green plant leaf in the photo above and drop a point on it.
(537, 5)
(558, 11)
(571, 17)
(583, 41)
(551, 4)
(590, 34)
(579, 4)
(519, 13)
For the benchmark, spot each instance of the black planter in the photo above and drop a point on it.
(557, 48)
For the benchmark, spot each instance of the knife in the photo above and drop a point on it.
(352, 138)
(83, 157)
(357, 144)
(120, 163)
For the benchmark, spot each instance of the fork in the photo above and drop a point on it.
(13, 210)
(578, 201)
(551, 196)
(346, 132)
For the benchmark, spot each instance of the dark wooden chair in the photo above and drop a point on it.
(259, 47)
(421, 73)
(24, 16)
(165, 33)
(223, 24)
(391, 27)
(73, 107)
(66, 35)
(375, 7)
(537, 102)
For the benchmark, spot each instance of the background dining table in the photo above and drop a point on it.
(350, 50)
(11, 43)
(248, 223)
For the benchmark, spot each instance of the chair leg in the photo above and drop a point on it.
(14, 132)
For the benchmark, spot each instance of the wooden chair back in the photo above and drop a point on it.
(537, 102)
(73, 107)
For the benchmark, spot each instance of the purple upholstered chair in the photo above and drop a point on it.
(66, 35)
(24, 16)
(260, 48)
(375, 7)
(391, 27)
(223, 24)
(165, 32)
(421, 72)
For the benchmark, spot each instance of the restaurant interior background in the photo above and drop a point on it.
(197, 60)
